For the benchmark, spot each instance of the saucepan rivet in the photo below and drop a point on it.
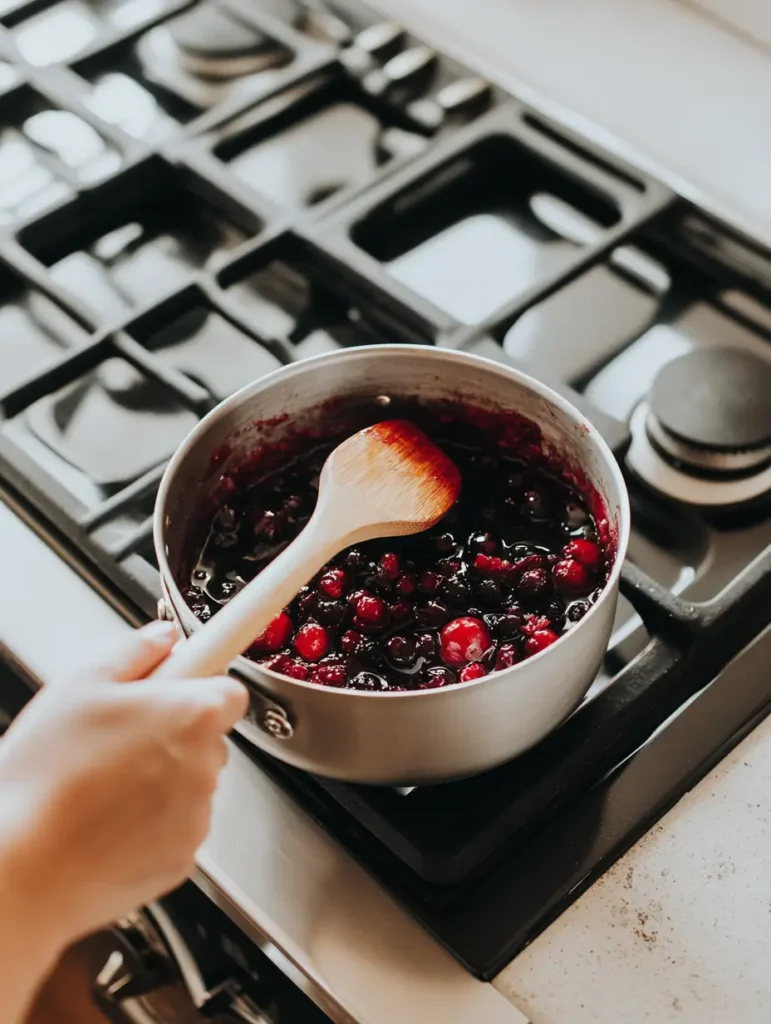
(277, 724)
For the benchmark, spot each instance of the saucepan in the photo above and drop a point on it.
(401, 738)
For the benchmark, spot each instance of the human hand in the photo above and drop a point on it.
(106, 785)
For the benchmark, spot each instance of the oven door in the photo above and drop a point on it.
(181, 961)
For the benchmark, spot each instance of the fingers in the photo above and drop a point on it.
(137, 655)
(213, 705)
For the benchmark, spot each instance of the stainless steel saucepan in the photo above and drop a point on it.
(408, 737)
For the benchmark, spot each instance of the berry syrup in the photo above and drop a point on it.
(516, 562)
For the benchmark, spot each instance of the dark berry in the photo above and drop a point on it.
(275, 635)
(350, 641)
(437, 677)
(490, 593)
(370, 653)
(506, 656)
(577, 610)
(332, 583)
(585, 552)
(539, 641)
(464, 640)
(445, 542)
(571, 577)
(368, 681)
(473, 671)
(433, 615)
(330, 613)
(401, 650)
(534, 584)
(455, 591)
(537, 504)
(312, 642)
(401, 612)
(404, 586)
(447, 567)
(355, 560)
(508, 626)
(371, 610)
(425, 646)
(268, 526)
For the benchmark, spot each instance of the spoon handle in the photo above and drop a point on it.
(210, 650)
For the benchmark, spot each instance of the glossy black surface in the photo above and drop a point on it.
(183, 211)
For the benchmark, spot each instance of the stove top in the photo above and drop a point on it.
(197, 194)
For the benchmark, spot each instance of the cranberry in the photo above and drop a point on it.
(436, 677)
(312, 642)
(445, 542)
(329, 675)
(535, 583)
(371, 610)
(571, 577)
(275, 635)
(404, 586)
(473, 671)
(528, 562)
(491, 565)
(539, 641)
(389, 566)
(447, 566)
(332, 583)
(506, 656)
(429, 582)
(350, 641)
(401, 650)
(585, 552)
(401, 612)
(286, 666)
(464, 640)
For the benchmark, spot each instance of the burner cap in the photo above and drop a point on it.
(213, 44)
(711, 409)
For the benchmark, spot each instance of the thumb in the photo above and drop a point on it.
(138, 654)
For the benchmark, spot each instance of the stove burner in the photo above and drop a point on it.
(710, 411)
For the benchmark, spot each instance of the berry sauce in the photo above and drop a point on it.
(518, 560)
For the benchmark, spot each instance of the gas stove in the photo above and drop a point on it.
(197, 194)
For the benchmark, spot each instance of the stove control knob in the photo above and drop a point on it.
(709, 413)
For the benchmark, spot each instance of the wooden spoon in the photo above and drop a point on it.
(386, 481)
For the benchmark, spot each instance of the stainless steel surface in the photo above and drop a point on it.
(419, 736)
(276, 873)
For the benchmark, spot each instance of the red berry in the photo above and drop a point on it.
(311, 642)
(332, 583)
(429, 582)
(371, 610)
(472, 671)
(350, 641)
(507, 656)
(296, 669)
(571, 577)
(401, 612)
(404, 586)
(585, 552)
(534, 583)
(329, 675)
(539, 641)
(275, 635)
(492, 565)
(464, 640)
(389, 566)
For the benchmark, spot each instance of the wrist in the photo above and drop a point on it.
(30, 916)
